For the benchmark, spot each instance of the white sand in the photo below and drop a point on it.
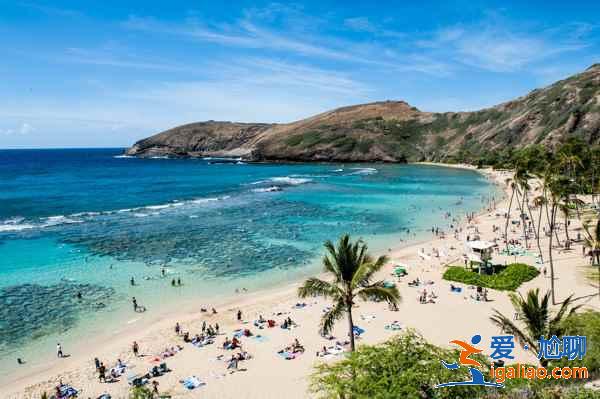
(267, 375)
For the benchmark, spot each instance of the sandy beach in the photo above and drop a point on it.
(268, 375)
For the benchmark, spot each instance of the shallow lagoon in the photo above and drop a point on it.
(86, 221)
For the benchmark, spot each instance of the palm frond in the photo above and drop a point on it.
(506, 325)
(316, 287)
(331, 316)
(566, 310)
(363, 275)
(378, 292)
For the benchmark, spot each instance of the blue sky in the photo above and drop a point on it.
(78, 73)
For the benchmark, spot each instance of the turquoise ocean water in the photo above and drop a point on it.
(86, 221)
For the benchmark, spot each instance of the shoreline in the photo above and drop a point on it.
(112, 345)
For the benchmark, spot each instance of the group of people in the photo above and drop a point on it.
(427, 297)
(294, 347)
(114, 372)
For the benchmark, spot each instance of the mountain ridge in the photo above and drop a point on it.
(395, 131)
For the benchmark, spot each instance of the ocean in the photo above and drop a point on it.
(83, 222)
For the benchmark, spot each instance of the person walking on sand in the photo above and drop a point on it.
(102, 373)
(135, 348)
(239, 315)
(59, 352)
(135, 305)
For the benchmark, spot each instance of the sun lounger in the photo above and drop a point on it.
(394, 326)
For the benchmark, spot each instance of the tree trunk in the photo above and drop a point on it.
(351, 326)
(538, 233)
(567, 226)
(550, 221)
(535, 232)
(522, 217)
(553, 216)
(508, 217)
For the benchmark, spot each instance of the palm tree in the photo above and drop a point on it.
(352, 270)
(571, 162)
(537, 319)
(539, 202)
(592, 241)
(564, 208)
(513, 186)
(522, 181)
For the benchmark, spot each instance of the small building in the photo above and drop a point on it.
(479, 252)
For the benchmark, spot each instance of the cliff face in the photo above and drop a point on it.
(393, 131)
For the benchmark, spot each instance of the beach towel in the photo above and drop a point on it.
(288, 355)
(357, 330)
(260, 338)
(118, 371)
(238, 333)
(192, 382)
(67, 391)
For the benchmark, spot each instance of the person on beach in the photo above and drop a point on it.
(132, 281)
(135, 348)
(102, 373)
(20, 361)
(214, 311)
(97, 363)
(135, 304)
(173, 283)
(239, 315)
(217, 328)
(178, 328)
(163, 271)
(178, 281)
(59, 352)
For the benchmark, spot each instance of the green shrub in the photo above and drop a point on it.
(406, 366)
(509, 279)
(585, 324)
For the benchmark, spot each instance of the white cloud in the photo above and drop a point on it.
(22, 129)
(359, 24)
(250, 34)
(498, 47)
